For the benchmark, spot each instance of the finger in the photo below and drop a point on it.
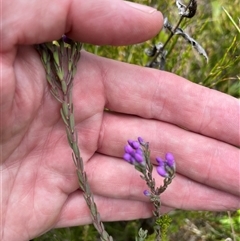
(102, 22)
(164, 96)
(120, 180)
(199, 158)
(75, 210)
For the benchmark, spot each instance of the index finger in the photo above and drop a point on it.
(99, 22)
(160, 95)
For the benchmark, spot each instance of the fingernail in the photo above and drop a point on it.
(143, 8)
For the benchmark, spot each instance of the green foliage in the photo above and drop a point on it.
(83, 233)
(164, 222)
(142, 235)
(235, 220)
(204, 226)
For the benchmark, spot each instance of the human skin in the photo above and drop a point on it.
(39, 185)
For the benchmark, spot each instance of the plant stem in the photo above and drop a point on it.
(60, 60)
(172, 32)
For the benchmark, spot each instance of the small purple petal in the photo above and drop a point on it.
(140, 140)
(146, 193)
(130, 142)
(170, 160)
(169, 156)
(170, 163)
(133, 161)
(66, 39)
(135, 144)
(160, 161)
(139, 151)
(138, 157)
(128, 149)
(161, 171)
(127, 157)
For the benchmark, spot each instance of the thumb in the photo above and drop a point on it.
(114, 22)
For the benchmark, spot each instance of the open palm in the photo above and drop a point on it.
(40, 187)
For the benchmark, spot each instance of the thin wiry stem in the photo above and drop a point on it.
(137, 153)
(155, 191)
(60, 60)
(189, 12)
(231, 225)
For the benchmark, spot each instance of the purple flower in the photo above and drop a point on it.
(162, 171)
(160, 161)
(137, 151)
(134, 153)
(147, 193)
(127, 157)
(141, 141)
(66, 39)
(129, 149)
(170, 159)
(139, 158)
(134, 144)
(167, 167)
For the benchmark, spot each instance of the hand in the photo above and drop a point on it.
(40, 187)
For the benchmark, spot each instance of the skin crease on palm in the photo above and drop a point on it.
(39, 188)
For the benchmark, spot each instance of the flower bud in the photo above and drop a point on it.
(162, 172)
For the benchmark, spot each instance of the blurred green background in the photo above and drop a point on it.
(217, 30)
